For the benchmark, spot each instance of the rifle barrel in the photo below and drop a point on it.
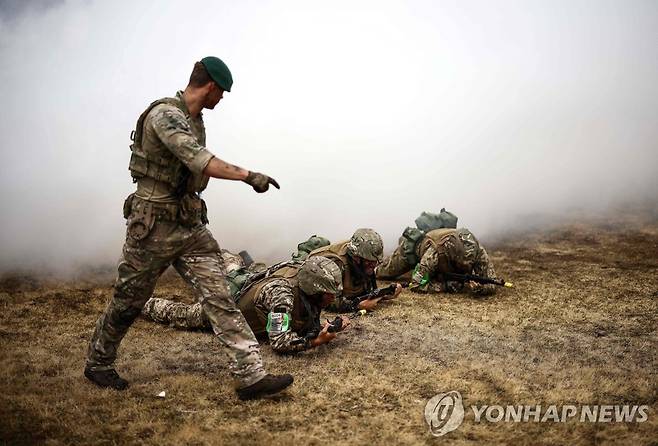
(479, 279)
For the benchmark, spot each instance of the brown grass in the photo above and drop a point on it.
(578, 328)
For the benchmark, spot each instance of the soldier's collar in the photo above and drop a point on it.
(179, 96)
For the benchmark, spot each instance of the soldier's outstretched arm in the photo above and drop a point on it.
(218, 168)
(426, 268)
(170, 124)
(324, 337)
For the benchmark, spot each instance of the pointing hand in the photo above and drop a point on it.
(260, 182)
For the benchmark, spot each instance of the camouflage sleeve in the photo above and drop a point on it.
(484, 267)
(277, 297)
(393, 266)
(171, 126)
(425, 270)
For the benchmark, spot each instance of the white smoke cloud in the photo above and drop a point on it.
(367, 113)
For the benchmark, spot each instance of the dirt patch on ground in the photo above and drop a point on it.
(578, 328)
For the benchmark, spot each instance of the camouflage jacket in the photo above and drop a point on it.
(451, 250)
(354, 284)
(169, 129)
(278, 296)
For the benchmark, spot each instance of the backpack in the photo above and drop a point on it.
(303, 249)
(428, 221)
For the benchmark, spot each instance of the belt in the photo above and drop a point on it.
(161, 211)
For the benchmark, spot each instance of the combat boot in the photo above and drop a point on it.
(106, 378)
(269, 385)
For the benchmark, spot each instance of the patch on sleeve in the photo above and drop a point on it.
(424, 280)
(277, 323)
(169, 119)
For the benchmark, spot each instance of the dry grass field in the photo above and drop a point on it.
(580, 327)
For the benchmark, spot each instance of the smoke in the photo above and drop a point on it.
(367, 113)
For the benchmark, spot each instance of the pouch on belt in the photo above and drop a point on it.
(139, 214)
(192, 211)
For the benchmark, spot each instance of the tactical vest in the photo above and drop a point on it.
(450, 260)
(257, 318)
(435, 239)
(338, 253)
(166, 168)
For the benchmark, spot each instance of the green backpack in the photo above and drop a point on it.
(236, 280)
(425, 223)
(303, 249)
(428, 221)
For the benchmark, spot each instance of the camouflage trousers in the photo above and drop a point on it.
(192, 317)
(176, 314)
(195, 255)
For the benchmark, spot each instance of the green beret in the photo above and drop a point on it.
(218, 71)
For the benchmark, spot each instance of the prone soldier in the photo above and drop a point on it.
(434, 256)
(357, 259)
(282, 304)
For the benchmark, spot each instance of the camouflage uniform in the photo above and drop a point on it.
(397, 263)
(277, 293)
(181, 315)
(232, 262)
(405, 257)
(166, 226)
(191, 317)
(450, 250)
(355, 282)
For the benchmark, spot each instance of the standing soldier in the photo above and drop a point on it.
(439, 251)
(282, 305)
(357, 259)
(167, 226)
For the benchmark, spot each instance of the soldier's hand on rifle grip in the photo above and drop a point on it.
(472, 286)
(324, 336)
(398, 290)
(346, 322)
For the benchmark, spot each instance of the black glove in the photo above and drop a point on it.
(260, 182)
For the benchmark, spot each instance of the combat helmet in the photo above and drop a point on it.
(320, 275)
(367, 244)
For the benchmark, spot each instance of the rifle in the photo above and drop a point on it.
(456, 277)
(375, 294)
(334, 326)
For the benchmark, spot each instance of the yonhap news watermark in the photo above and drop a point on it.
(445, 412)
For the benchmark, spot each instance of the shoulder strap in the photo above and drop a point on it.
(137, 134)
(257, 277)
